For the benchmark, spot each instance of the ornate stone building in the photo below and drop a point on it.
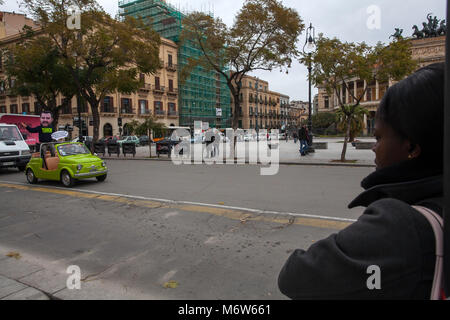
(425, 50)
(158, 97)
(260, 107)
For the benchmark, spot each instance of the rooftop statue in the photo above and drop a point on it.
(433, 28)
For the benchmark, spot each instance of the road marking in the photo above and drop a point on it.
(234, 213)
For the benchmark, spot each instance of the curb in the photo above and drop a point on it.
(286, 163)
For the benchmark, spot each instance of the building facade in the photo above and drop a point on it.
(260, 107)
(158, 96)
(204, 95)
(426, 51)
(12, 23)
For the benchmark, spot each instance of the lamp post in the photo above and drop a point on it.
(308, 49)
(257, 110)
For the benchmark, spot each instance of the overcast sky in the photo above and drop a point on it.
(345, 19)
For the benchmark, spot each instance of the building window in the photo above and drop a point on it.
(25, 108)
(170, 60)
(172, 109)
(37, 108)
(159, 108)
(126, 106)
(327, 103)
(142, 78)
(14, 109)
(108, 105)
(157, 83)
(143, 107)
(2, 109)
(170, 85)
(81, 103)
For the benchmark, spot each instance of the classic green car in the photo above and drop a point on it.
(65, 162)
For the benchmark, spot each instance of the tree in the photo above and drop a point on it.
(146, 128)
(45, 78)
(263, 37)
(324, 120)
(356, 120)
(335, 63)
(106, 55)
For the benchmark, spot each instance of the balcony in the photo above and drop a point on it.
(108, 111)
(159, 90)
(172, 92)
(160, 113)
(145, 113)
(145, 88)
(127, 112)
(172, 114)
(171, 67)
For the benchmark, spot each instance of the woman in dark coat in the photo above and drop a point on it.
(391, 235)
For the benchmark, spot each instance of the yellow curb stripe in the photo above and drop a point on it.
(237, 215)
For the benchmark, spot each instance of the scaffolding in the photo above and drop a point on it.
(203, 92)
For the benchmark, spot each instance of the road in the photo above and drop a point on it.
(218, 232)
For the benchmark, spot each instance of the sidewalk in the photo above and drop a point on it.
(289, 154)
(25, 277)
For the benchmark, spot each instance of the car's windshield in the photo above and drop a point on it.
(72, 149)
(9, 133)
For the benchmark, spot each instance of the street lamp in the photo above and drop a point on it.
(257, 110)
(308, 49)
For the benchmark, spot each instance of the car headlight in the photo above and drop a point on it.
(79, 167)
(26, 152)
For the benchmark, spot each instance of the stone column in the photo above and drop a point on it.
(377, 89)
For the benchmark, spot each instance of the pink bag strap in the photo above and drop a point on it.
(437, 224)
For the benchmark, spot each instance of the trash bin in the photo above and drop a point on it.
(129, 148)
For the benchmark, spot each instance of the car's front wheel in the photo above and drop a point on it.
(101, 178)
(31, 178)
(67, 180)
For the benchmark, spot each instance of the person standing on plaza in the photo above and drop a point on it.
(303, 137)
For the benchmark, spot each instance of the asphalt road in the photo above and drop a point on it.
(210, 241)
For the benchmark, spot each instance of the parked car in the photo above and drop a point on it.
(129, 139)
(14, 151)
(144, 140)
(66, 162)
(87, 139)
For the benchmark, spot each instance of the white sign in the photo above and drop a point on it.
(218, 112)
(59, 135)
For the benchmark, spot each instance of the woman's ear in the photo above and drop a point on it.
(414, 151)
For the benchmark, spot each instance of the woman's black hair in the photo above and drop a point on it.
(414, 109)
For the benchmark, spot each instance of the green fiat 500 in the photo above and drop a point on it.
(65, 162)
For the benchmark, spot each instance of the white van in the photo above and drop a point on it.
(14, 152)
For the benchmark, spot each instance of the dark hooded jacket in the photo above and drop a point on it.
(390, 234)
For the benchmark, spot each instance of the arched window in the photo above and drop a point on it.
(107, 130)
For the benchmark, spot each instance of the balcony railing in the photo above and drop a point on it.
(108, 110)
(159, 89)
(172, 114)
(146, 87)
(171, 67)
(126, 111)
(145, 112)
(160, 113)
(173, 92)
